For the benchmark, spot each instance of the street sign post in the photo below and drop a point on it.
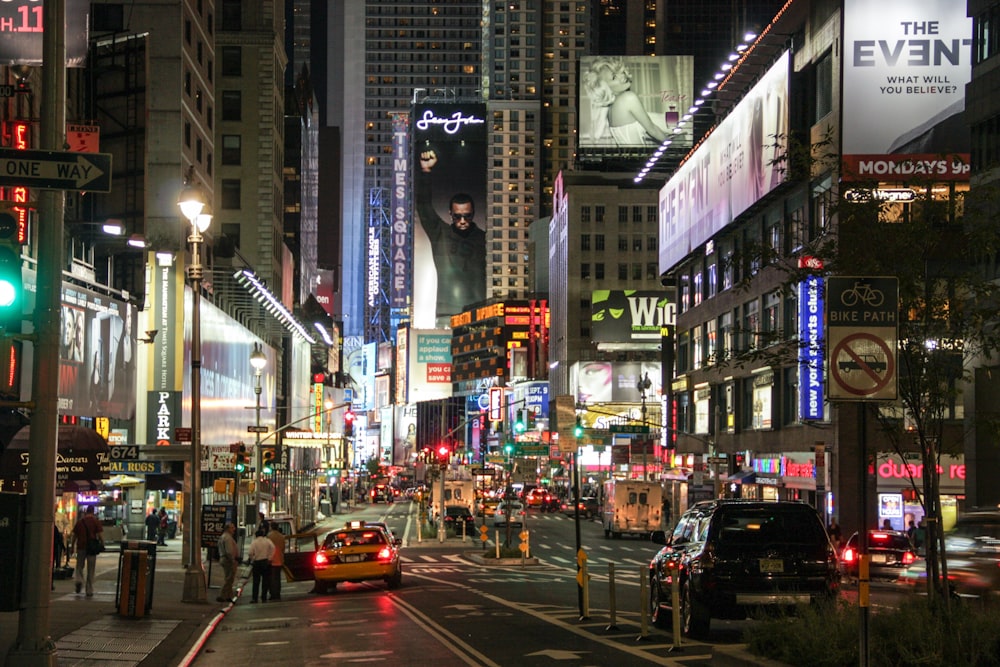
(861, 315)
(56, 170)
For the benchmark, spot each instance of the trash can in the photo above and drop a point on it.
(136, 575)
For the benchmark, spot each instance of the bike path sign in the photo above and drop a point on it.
(861, 316)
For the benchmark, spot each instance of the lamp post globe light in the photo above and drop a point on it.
(258, 360)
(193, 207)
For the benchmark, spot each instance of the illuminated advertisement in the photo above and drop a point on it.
(905, 68)
(449, 177)
(811, 379)
(634, 101)
(22, 29)
(624, 316)
(614, 381)
(399, 244)
(429, 365)
(97, 350)
(732, 169)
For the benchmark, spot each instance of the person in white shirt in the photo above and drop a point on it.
(261, 552)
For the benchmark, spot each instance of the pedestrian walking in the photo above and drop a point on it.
(228, 555)
(277, 560)
(161, 530)
(152, 525)
(88, 535)
(261, 551)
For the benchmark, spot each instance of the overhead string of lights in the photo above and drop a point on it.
(711, 87)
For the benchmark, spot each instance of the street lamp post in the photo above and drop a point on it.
(192, 205)
(643, 386)
(258, 361)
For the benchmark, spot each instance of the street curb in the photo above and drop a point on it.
(479, 559)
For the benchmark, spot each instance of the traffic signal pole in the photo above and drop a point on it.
(34, 646)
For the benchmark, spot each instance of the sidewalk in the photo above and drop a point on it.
(89, 631)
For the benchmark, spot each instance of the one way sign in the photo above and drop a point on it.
(56, 170)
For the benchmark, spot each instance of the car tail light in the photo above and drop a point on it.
(385, 554)
(909, 557)
(849, 555)
(878, 537)
(320, 558)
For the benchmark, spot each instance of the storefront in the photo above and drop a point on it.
(900, 485)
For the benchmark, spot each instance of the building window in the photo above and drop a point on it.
(712, 280)
(702, 403)
(231, 193)
(824, 86)
(585, 242)
(232, 18)
(622, 243)
(637, 244)
(650, 214)
(728, 269)
(761, 388)
(684, 297)
(598, 214)
(585, 270)
(231, 149)
(599, 271)
(232, 61)
(697, 348)
(771, 323)
(187, 83)
(711, 342)
(187, 134)
(696, 288)
(623, 272)
(726, 335)
(751, 325)
(584, 214)
(637, 214)
(599, 242)
(622, 214)
(232, 105)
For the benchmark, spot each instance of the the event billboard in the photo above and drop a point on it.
(733, 168)
(630, 316)
(905, 67)
(634, 101)
(449, 198)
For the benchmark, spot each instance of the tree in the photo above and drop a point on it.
(937, 245)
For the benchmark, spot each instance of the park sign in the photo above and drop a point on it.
(861, 315)
(56, 170)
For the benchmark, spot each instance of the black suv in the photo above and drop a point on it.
(734, 556)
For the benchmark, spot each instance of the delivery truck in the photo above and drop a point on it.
(631, 507)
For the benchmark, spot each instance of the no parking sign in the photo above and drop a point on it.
(861, 316)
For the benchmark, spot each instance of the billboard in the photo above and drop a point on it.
(733, 168)
(630, 316)
(22, 30)
(634, 101)
(905, 67)
(449, 198)
(615, 381)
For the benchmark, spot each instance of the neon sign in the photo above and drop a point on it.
(450, 124)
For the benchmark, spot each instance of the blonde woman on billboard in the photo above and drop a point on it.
(615, 109)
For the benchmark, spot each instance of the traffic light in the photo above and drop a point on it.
(578, 429)
(508, 448)
(241, 459)
(11, 285)
(267, 460)
(348, 424)
(520, 426)
(443, 453)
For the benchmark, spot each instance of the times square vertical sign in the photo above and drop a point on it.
(399, 245)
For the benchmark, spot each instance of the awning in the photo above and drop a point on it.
(744, 477)
(82, 459)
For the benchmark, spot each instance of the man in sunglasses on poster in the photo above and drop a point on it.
(458, 245)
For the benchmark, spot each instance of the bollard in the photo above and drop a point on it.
(496, 541)
(612, 600)
(463, 532)
(675, 604)
(586, 590)
(643, 604)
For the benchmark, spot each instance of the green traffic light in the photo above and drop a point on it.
(268, 470)
(239, 467)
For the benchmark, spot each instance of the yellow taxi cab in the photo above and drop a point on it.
(357, 552)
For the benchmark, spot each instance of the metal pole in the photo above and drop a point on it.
(33, 645)
(258, 456)
(195, 586)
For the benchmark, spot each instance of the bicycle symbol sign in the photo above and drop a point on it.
(861, 337)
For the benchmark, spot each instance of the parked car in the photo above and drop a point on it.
(458, 515)
(516, 508)
(890, 553)
(589, 507)
(734, 556)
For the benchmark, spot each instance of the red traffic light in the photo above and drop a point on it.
(348, 417)
(444, 450)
